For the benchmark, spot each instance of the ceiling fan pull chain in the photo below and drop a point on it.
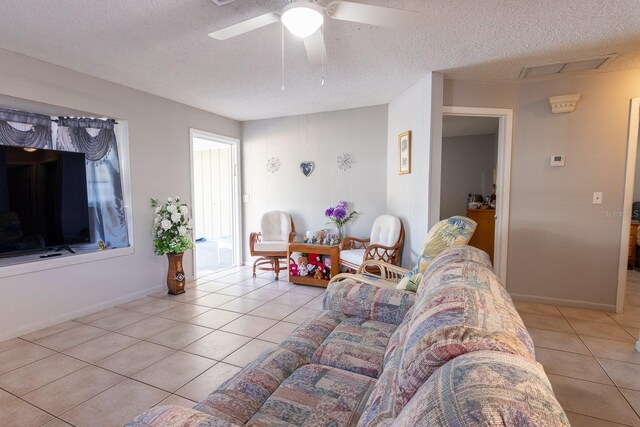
(322, 53)
(282, 36)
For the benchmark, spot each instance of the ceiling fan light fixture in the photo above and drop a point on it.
(302, 18)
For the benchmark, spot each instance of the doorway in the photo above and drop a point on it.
(216, 208)
(501, 177)
(629, 239)
(469, 161)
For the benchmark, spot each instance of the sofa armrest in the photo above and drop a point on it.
(162, 416)
(356, 299)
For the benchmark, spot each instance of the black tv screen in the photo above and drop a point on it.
(43, 199)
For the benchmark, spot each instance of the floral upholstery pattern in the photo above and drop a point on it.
(356, 345)
(170, 416)
(485, 388)
(469, 312)
(455, 231)
(361, 300)
(316, 395)
(243, 394)
(454, 353)
(459, 253)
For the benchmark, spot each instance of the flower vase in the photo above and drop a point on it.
(175, 274)
(340, 229)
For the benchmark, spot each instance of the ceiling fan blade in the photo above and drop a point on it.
(316, 50)
(372, 15)
(245, 26)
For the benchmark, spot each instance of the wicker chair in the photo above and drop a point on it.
(384, 244)
(272, 242)
(454, 231)
(375, 273)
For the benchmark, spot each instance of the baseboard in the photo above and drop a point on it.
(78, 313)
(564, 302)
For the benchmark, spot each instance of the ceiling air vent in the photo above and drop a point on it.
(588, 64)
(222, 2)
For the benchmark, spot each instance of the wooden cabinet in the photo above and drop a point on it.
(332, 251)
(484, 236)
(633, 239)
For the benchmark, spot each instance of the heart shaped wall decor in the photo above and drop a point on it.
(307, 168)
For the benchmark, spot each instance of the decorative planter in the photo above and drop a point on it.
(175, 274)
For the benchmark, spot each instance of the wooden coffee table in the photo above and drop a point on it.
(332, 251)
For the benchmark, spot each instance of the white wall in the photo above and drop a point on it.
(159, 153)
(467, 167)
(320, 138)
(562, 248)
(418, 109)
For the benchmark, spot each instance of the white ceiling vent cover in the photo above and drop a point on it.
(588, 64)
(222, 2)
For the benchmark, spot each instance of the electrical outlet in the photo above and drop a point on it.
(245, 198)
(597, 198)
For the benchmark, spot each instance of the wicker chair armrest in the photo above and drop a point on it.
(349, 243)
(387, 254)
(292, 236)
(370, 280)
(253, 239)
(382, 270)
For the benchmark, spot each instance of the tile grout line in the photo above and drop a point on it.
(600, 364)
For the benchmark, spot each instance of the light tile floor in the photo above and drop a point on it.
(104, 368)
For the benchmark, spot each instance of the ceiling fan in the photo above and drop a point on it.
(303, 18)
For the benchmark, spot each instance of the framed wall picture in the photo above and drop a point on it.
(404, 153)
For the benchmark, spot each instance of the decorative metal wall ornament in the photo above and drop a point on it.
(344, 161)
(307, 168)
(273, 165)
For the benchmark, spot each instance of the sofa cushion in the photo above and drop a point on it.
(485, 388)
(270, 246)
(355, 299)
(171, 416)
(356, 345)
(471, 313)
(243, 394)
(459, 254)
(316, 395)
(307, 337)
(454, 231)
(352, 256)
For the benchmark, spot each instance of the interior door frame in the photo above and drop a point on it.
(235, 193)
(503, 178)
(627, 204)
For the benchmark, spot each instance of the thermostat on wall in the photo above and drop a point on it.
(557, 160)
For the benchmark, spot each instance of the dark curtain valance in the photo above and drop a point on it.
(96, 147)
(24, 117)
(39, 136)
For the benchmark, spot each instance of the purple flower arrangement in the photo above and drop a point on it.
(338, 214)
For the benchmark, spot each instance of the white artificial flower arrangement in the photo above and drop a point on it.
(171, 227)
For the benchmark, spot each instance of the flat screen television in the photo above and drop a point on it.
(43, 200)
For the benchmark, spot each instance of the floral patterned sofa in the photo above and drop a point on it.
(456, 353)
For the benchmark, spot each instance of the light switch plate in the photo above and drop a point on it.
(557, 160)
(597, 198)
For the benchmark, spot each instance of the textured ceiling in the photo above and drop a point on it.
(161, 47)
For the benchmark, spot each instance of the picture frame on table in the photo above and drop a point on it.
(404, 153)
